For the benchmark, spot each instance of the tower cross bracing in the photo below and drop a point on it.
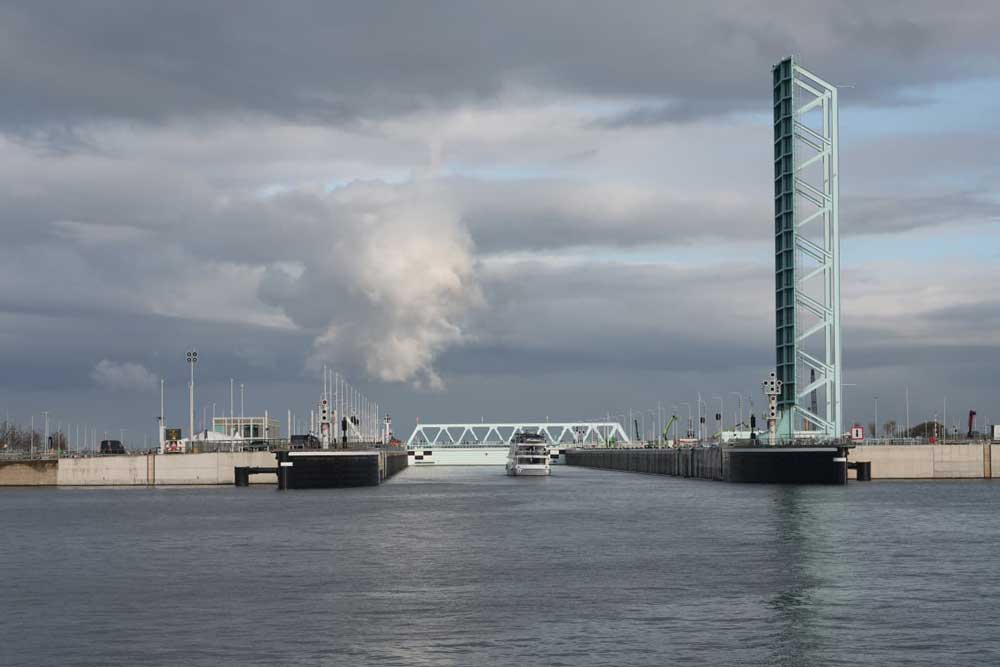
(806, 252)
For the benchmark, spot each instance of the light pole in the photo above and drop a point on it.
(722, 415)
(159, 421)
(739, 398)
(232, 408)
(907, 411)
(45, 442)
(690, 429)
(673, 413)
(876, 419)
(192, 360)
(242, 413)
(702, 417)
(659, 421)
(699, 417)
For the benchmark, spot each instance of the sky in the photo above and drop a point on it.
(480, 211)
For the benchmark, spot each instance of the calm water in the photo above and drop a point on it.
(463, 566)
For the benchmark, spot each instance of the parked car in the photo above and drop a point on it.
(112, 447)
(307, 441)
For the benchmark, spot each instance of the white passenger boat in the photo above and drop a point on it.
(470, 455)
(528, 456)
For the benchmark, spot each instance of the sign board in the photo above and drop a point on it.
(995, 437)
(857, 433)
(172, 434)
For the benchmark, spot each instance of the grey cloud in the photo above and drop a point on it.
(677, 112)
(902, 212)
(123, 376)
(338, 62)
(549, 213)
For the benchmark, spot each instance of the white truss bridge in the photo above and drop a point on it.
(479, 434)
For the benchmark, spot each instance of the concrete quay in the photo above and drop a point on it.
(958, 461)
(136, 470)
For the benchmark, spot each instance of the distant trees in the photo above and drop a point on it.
(927, 429)
(18, 439)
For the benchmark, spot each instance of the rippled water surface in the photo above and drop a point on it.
(464, 566)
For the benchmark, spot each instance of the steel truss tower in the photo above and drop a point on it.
(806, 253)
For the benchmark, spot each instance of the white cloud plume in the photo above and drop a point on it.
(388, 276)
(123, 376)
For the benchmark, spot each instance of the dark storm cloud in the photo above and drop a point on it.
(148, 60)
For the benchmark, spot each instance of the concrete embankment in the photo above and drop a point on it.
(136, 470)
(28, 473)
(959, 461)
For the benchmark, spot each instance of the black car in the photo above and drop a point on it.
(308, 441)
(112, 447)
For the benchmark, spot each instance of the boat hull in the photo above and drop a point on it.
(520, 471)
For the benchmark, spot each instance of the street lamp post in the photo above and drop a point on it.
(699, 417)
(702, 417)
(659, 421)
(722, 415)
(690, 428)
(907, 411)
(876, 419)
(192, 360)
(673, 413)
(739, 398)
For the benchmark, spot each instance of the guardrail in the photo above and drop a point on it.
(206, 447)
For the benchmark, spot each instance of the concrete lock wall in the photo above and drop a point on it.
(971, 461)
(927, 461)
(28, 473)
(104, 471)
(701, 463)
(161, 469)
(174, 469)
(958, 461)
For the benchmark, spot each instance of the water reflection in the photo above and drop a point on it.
(792, 604)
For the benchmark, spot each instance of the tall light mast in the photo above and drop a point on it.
(192, 360)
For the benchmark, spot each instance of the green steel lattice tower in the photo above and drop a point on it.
(806, 253)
